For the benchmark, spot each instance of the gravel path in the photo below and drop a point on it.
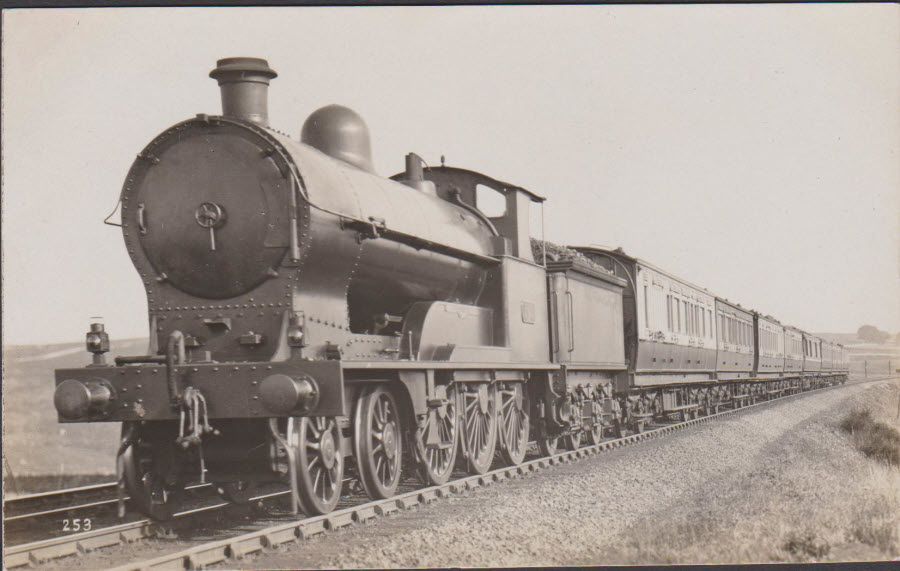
(568, 515)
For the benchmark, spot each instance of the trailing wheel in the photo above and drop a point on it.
(440, 440)
(515, 424)
(146, 482)
(377, 442)
(480, 421)
(320, 462)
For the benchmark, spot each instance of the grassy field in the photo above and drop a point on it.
(822, 495)
(33, 442)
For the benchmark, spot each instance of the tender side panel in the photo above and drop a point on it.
(586, 320)
(735, 341)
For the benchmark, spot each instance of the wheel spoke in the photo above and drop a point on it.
(319, 477)
(379, 460)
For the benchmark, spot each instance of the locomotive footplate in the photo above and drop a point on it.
(231, 390)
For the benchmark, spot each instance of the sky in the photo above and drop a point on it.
(749, 149)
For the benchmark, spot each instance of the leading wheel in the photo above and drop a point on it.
(440, 439)
(480, 422)
(145, 483)
(514, 424)
(320, 462)
(377, 444)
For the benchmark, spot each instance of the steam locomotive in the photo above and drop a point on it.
(312, 321)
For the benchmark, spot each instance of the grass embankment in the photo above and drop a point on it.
(873, 438)
(828, 492)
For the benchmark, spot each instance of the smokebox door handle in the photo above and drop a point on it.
(142, 218)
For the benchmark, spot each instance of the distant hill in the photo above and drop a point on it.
(842, 338)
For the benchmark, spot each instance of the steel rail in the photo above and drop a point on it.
(65, 508)
(237, 547)
(38, 552)
(59, 493)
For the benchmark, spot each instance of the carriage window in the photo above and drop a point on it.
(669, 310)
(491, 202)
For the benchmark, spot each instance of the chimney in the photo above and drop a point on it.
(244, 82)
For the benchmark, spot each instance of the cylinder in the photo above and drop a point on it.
(244, 82)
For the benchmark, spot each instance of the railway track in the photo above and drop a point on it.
(56, 501)
(60, 513)
(355, 509)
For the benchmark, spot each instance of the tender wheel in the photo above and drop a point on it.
(146, 486)
(515, 424)
(548, 446)
(440, 438)
(377, 442)
(238, 492)
(595, 434)
(320, 463)
(618, 432)
(573, 440)
(480, 422)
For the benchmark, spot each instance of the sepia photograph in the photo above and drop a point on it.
(448, 286)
